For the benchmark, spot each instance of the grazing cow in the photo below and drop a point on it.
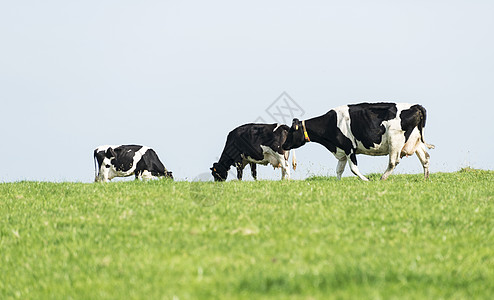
(254, 144)
(127, 160)
(378, 129)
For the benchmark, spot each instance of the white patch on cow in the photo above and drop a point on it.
(271, 157)
(378, 149)
(343, 122)
(401, 107)
(413, 143)
(277, 126)
(146, 175)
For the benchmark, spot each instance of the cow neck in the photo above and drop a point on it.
(225, 164)
(315, 129)
(225, 161)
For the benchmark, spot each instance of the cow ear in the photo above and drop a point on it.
(295, 123)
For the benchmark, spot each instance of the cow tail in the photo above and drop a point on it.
(294, 160)
(95, 166)
(421, 126)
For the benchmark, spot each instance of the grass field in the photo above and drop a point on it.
(315, 239)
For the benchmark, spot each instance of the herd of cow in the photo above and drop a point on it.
(378, 129)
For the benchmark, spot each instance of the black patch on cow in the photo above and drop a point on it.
(340, 140)
(366, 121)
(124, 157)
(99, 156)
(413, 117)
(150, 162)
(246, 141)
(110, 153)
(324, 130)
(353, 158)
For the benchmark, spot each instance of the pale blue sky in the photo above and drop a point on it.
(179, 75)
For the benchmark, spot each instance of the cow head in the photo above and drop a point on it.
(295, 137)
(219, 172)
(168, 174)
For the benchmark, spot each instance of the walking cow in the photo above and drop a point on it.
(378, 129)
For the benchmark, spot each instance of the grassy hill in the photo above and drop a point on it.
(313, 239)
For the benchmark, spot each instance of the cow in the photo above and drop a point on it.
(254, 144)
(126, 160)
(378, 129)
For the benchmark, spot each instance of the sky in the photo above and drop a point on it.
(179, 75)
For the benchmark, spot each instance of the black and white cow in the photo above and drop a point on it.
(254, 144)
(127, 160)
(378, 129)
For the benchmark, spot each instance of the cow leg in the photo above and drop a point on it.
(424, 158)
(341, 167)
(102, 179)
(397, 143)
(105, 176)
(285, 167)
(139, 174)
(240, 169)
(285, 171)
(393, 162)
(352, 161)
(253, 170)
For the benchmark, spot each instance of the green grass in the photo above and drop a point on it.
(405, 238)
